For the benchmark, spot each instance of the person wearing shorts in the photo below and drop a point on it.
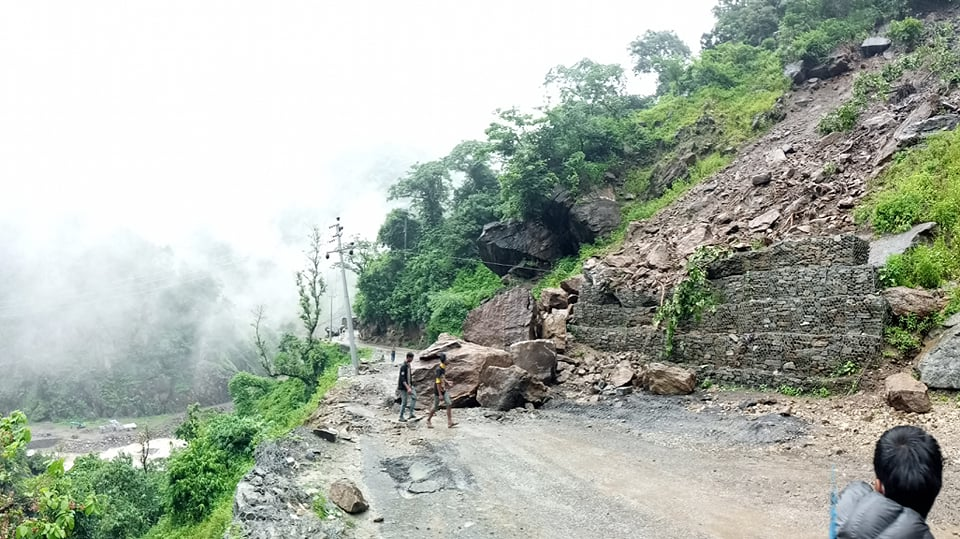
(441, 391)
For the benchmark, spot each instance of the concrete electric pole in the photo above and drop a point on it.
(338, 233)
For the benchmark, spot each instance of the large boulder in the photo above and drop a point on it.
(873, 46)
(837, 64)
(940, 365)
(465, 364)
(554, 328)
(348, 497)
(796, 72)
(505, 388)
(506, 244)
(883, 248)
(554, 298)
(661, 379)
(592, 218)
(506, 318)
(906, 394)
(905, 301)
(538, 357)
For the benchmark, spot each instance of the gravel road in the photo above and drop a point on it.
(704, 466)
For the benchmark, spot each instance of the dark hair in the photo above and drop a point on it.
(908, 463)
(443, 357)
(409, 354)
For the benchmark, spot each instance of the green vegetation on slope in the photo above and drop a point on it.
(591, 133)
(923, 185)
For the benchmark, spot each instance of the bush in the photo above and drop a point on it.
(813, 46)
(234, 435)
(907, 32)
(197, 477)
(842, 119)
(131, 498)
(924, 266)
(449, 307)
(246, 389)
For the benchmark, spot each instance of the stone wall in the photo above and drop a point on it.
(829, 251)
(792, 313)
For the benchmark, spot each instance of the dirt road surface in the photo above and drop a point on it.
(705, 466)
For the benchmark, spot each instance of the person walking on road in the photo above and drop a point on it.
(393, 355)
(441, 390)
(408, 395)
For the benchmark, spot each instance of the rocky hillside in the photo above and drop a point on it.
(792, 182)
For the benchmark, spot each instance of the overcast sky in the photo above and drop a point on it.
(240, 119)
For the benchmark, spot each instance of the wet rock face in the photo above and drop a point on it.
(940, 365)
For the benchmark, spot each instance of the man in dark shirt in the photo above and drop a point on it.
(441, 389)
(405, 387)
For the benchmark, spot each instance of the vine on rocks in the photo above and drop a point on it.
(692, 296)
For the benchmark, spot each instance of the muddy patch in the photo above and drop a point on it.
(432, 469)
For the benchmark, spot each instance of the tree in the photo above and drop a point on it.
(358, 258)
(34, 507)
(655, 52)
(588, 82)
(400, 231)
(427, 185)
(302, 358)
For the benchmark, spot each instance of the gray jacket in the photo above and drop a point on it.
(863, 513)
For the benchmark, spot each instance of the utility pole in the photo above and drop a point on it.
(338, 233)
(331, 317)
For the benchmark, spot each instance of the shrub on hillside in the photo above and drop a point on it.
(907, 32)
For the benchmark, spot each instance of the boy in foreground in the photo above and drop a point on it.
(909, 470)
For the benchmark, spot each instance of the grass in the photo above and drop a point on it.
(922, 186)
(212, 527)
(281, 410)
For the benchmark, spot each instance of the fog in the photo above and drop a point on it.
(161, 164)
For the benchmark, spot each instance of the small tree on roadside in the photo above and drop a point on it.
(303, 358)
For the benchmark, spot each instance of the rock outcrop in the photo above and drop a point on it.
(269, 502)
(940, 365)
(906, 394)
(508, 317)
(509, 244)
(465, 365)
(881, 249)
